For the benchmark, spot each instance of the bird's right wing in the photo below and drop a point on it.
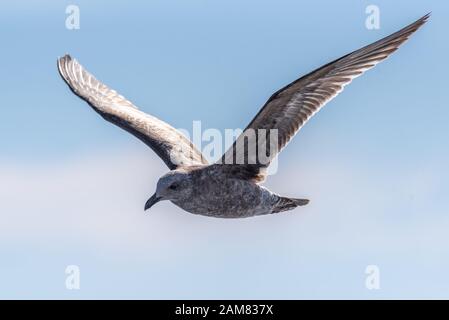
(286, 112)
(173, 147)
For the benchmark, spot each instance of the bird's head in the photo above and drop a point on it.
(175, 185)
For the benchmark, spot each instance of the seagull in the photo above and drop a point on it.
(227, 188)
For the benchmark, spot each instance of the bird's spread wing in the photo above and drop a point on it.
(291, 107)
(173, 147)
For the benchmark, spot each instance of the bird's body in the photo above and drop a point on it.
(213, 191)
(216, 194)
(230, 188)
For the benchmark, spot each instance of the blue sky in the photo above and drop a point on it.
(373, 161)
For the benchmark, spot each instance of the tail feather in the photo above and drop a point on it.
(285, 204)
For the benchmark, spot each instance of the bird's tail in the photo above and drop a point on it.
(285, 204)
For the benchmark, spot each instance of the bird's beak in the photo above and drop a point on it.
(152, 201)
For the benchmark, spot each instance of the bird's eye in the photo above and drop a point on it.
(173, 186)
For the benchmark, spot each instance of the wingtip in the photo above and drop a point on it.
(64, 57)
(61, 64)
(419, 23)
(423, 19)
(426, 16)
(61, 61)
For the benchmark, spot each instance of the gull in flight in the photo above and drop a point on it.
(231, 188)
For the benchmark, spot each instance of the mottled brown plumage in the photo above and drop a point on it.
(230, 188)
(288, 109)
(173, 147)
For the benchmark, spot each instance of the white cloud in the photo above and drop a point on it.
(98, 200)
(89, 211)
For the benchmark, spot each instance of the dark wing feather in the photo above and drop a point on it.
(173, 147)
(291, 107)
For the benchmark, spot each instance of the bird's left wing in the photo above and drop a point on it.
(291, 107)
(171, 146)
